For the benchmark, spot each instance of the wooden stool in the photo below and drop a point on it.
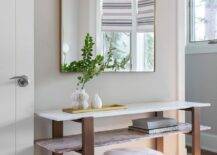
(132, 152)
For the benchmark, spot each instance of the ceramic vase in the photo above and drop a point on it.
(97, 102)
(83, 99)
(75, 99)
(80, 99)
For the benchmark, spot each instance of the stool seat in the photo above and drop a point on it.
(125, 151)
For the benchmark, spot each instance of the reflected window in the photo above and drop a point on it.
(120, 44)
(145, 51)
(128, 27)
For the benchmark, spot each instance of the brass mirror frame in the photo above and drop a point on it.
(60, 39)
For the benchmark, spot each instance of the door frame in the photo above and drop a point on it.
(181, 43)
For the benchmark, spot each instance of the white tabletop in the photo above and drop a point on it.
(134, 108)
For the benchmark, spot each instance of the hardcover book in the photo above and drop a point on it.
(155, 131)
(154, 123)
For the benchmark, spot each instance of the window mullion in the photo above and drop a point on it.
(192, 20)
(134, 35)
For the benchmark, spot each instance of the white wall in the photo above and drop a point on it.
(53, 88)
(201, 86)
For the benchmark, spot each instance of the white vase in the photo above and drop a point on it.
(80, 99)
(83, 99)
(75, 99)
(97, 102)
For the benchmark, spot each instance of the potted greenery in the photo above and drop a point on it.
(91, 66)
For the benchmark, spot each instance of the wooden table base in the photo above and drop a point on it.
(159, 141)
(57, 131)
(88, 136)
(88, 133)
(196, 146)
(196, 142)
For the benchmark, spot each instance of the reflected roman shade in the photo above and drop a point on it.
(117, 15)
(145, 17)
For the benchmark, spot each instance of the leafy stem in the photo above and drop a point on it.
(90, 66)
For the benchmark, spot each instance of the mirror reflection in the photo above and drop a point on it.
(125, 27)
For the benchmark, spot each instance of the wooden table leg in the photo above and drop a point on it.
(88, 136)
(196, 148)
(159, 141)
(57, 131)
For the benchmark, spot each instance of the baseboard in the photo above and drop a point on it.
(208, 142)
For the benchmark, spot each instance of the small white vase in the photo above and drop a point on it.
(83, 99)
(97, 102)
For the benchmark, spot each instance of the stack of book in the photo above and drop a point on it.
(154, 125)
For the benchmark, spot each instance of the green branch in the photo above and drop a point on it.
(89, 66)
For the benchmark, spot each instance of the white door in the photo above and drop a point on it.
(16, 58)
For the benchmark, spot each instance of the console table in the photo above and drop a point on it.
(85, 142)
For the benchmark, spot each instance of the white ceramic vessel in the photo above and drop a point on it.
(80, 99)
(75, 99)
(97, 102)
(83, 99)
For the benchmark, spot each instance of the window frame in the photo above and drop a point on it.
(196, 47)
(133, 36)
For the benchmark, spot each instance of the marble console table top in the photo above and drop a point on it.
(134, 108)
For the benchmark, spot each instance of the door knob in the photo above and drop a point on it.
(22, 81)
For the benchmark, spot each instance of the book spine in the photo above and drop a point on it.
(155, 131)
(161, 124)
